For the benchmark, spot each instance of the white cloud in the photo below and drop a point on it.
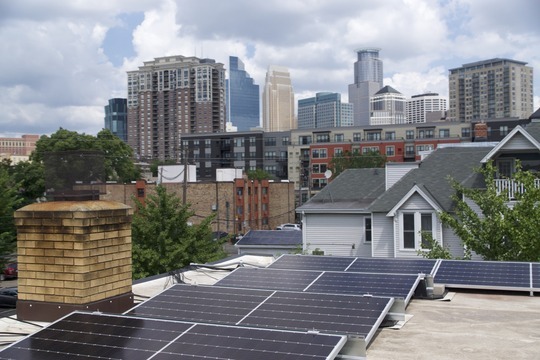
(59, 73)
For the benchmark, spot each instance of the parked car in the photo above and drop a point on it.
(8, 297)
(10, 271)
(289, 227)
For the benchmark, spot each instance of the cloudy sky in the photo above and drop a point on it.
(62, 60)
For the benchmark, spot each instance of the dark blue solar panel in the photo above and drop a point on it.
(275, 279)
(99, 336)
(310, 262)
(393, 285)
(483, 274)
(536, 275)
(216, 305)
(328, 313)
(393, 266)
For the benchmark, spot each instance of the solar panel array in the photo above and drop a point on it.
(328, 313)
(355, 264)
(98, 336)
(392, 285)
(501, 275)
(535, 270)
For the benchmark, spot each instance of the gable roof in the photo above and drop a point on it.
(352, 191)
(432, 177)
(416, 189)
(531, 134)
(271, 238)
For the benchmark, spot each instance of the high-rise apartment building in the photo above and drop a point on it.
(116, 117)
(368, 79)
(242, 97)
(388, 107)
(325, 110)
(491, 89)
(278, 100)
(425, 108)
(170, 96)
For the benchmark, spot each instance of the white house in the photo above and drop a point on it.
(382, 212)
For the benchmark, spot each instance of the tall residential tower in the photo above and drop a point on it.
(278, 100)
(491, 89)
(368, 79)
(242, 97)
(171, 96)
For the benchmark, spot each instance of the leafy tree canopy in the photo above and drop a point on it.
(258, 174)
(118, 156)
(9, 202)
(355, 160)
(505, 230)
(164, 241)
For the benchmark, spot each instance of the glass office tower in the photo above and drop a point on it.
(242, 97)
(116, 117)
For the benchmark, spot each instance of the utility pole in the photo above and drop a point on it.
(184, 189)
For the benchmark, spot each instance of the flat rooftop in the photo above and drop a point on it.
(472, 325)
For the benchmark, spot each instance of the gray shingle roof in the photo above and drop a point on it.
(387, 89)
(432, 176)
(353, 189)
(271, 237)
(533, 128)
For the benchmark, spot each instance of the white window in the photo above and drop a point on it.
(414, 227)
(367, 228)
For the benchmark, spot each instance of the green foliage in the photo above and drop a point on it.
(355, 160)
(503, 231)
(258, 174)
(154, 166)
(31, 179)
(9, 202)
(162, 239)
(433, 250)
(118, 156)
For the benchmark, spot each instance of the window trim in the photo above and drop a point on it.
(417, 229)
(368, 230)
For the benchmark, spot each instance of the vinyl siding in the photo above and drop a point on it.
(335, 234)
(519, 142)
(395, 171)
(383, 236)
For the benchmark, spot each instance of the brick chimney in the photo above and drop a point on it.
(73, 255)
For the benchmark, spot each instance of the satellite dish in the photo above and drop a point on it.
(328, 174)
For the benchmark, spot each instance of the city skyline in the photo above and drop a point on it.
(65, 60)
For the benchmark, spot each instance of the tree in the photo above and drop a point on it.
(164, 241)
(258, 174)
(355, 160)
(502, 231)
(9, 202)
(118, 156)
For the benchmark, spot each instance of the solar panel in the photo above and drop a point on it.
(535, 268)
(217, 305)
(310, 262)
(328, 313)
(392, 285)
(274, 279)
(484, 274)
(99, 336)
(393, 266)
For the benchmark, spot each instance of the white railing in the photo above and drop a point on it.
(511, 187)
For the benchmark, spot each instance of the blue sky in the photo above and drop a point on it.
(62, 60)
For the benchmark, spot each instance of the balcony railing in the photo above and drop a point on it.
(511, 187)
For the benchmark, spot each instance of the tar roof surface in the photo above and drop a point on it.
(271, 237)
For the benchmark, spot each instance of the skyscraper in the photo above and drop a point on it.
(491, 89)
(425, 108)
(387, 107)
(368, 79)
(278, 100)
(242, 97)
(325, 110)
(171, 96)
(116, 117)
